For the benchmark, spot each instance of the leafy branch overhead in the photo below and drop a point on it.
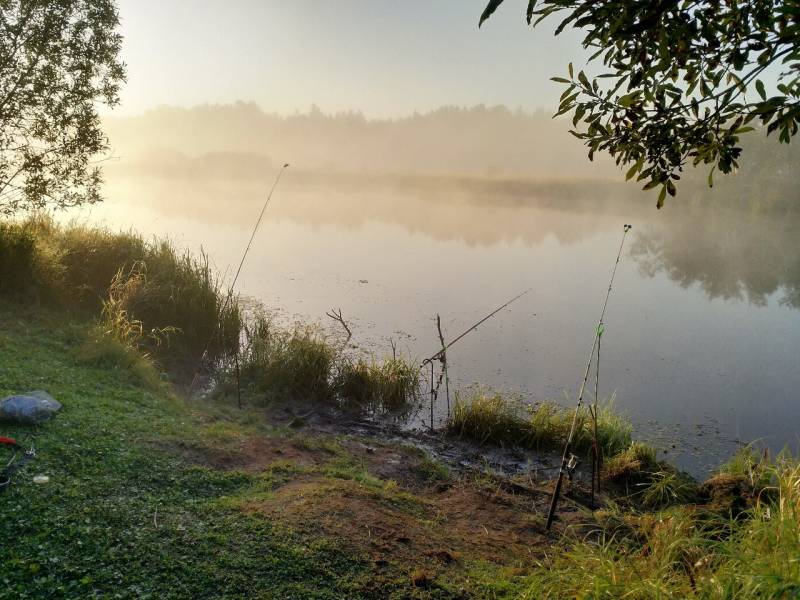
(681, 80)
(59, 59)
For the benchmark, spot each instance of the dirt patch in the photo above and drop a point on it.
(406, 466)
(431, 530)
(412, 512)
(254, 454)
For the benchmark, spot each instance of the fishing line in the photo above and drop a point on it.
(236, 277)
(445, 347)
(567, 459)
(255, 229)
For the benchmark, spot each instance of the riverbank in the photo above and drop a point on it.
(153, 495)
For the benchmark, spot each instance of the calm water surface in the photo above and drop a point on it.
(702, 332)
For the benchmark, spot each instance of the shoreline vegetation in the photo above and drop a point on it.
(118, 324)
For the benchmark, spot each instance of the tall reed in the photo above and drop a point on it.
(76, 267)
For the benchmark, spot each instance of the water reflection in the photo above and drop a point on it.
(474, 211)
(729, 255)
(695, 332)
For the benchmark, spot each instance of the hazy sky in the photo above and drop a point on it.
(385, 57)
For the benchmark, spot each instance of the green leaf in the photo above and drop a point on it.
(571, 72)
(661, 197)
(633, 170)
(529, 12)
(489, 10)
(711, 177)
(650, 184)
(760, 89)
(559, 80)
(628, 99)
(579, 112)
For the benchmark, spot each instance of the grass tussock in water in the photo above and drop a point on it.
(632, 463)
(390, 386)
(302, 363)
(281, 364)
(638, 480)
(152, 296)
(492, 418)
(688, 552)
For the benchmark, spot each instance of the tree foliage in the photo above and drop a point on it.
(682, 80)
(58, 62)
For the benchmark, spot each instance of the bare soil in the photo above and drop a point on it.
(415, 520)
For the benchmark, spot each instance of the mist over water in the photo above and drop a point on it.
(702, 332)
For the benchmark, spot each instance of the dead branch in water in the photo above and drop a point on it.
(336, 315)
(443, 360)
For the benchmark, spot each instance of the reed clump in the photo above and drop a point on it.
(78, 268)
(633, 464)
(285, 364)
(302, 363)
(388, 387)
(489, 417)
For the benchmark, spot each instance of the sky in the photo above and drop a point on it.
(386, 58)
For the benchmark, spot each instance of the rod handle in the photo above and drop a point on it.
(554, 501)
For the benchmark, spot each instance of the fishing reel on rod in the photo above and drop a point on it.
(568, 462)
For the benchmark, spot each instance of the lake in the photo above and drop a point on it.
(702, 342)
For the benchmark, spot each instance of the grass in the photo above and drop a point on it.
(389, 387)
(279, 364)
(667, 487)
(150, 284)
(685, 552)
(302, 364)
(120, 516)
(632, 464)
(126, 515)
(491, 418)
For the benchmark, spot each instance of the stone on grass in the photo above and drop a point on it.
(31, 408)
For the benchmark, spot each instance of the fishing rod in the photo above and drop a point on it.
(441, 355)
(235, 279)
(445, 347)
(568, 460)
(593, 411)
